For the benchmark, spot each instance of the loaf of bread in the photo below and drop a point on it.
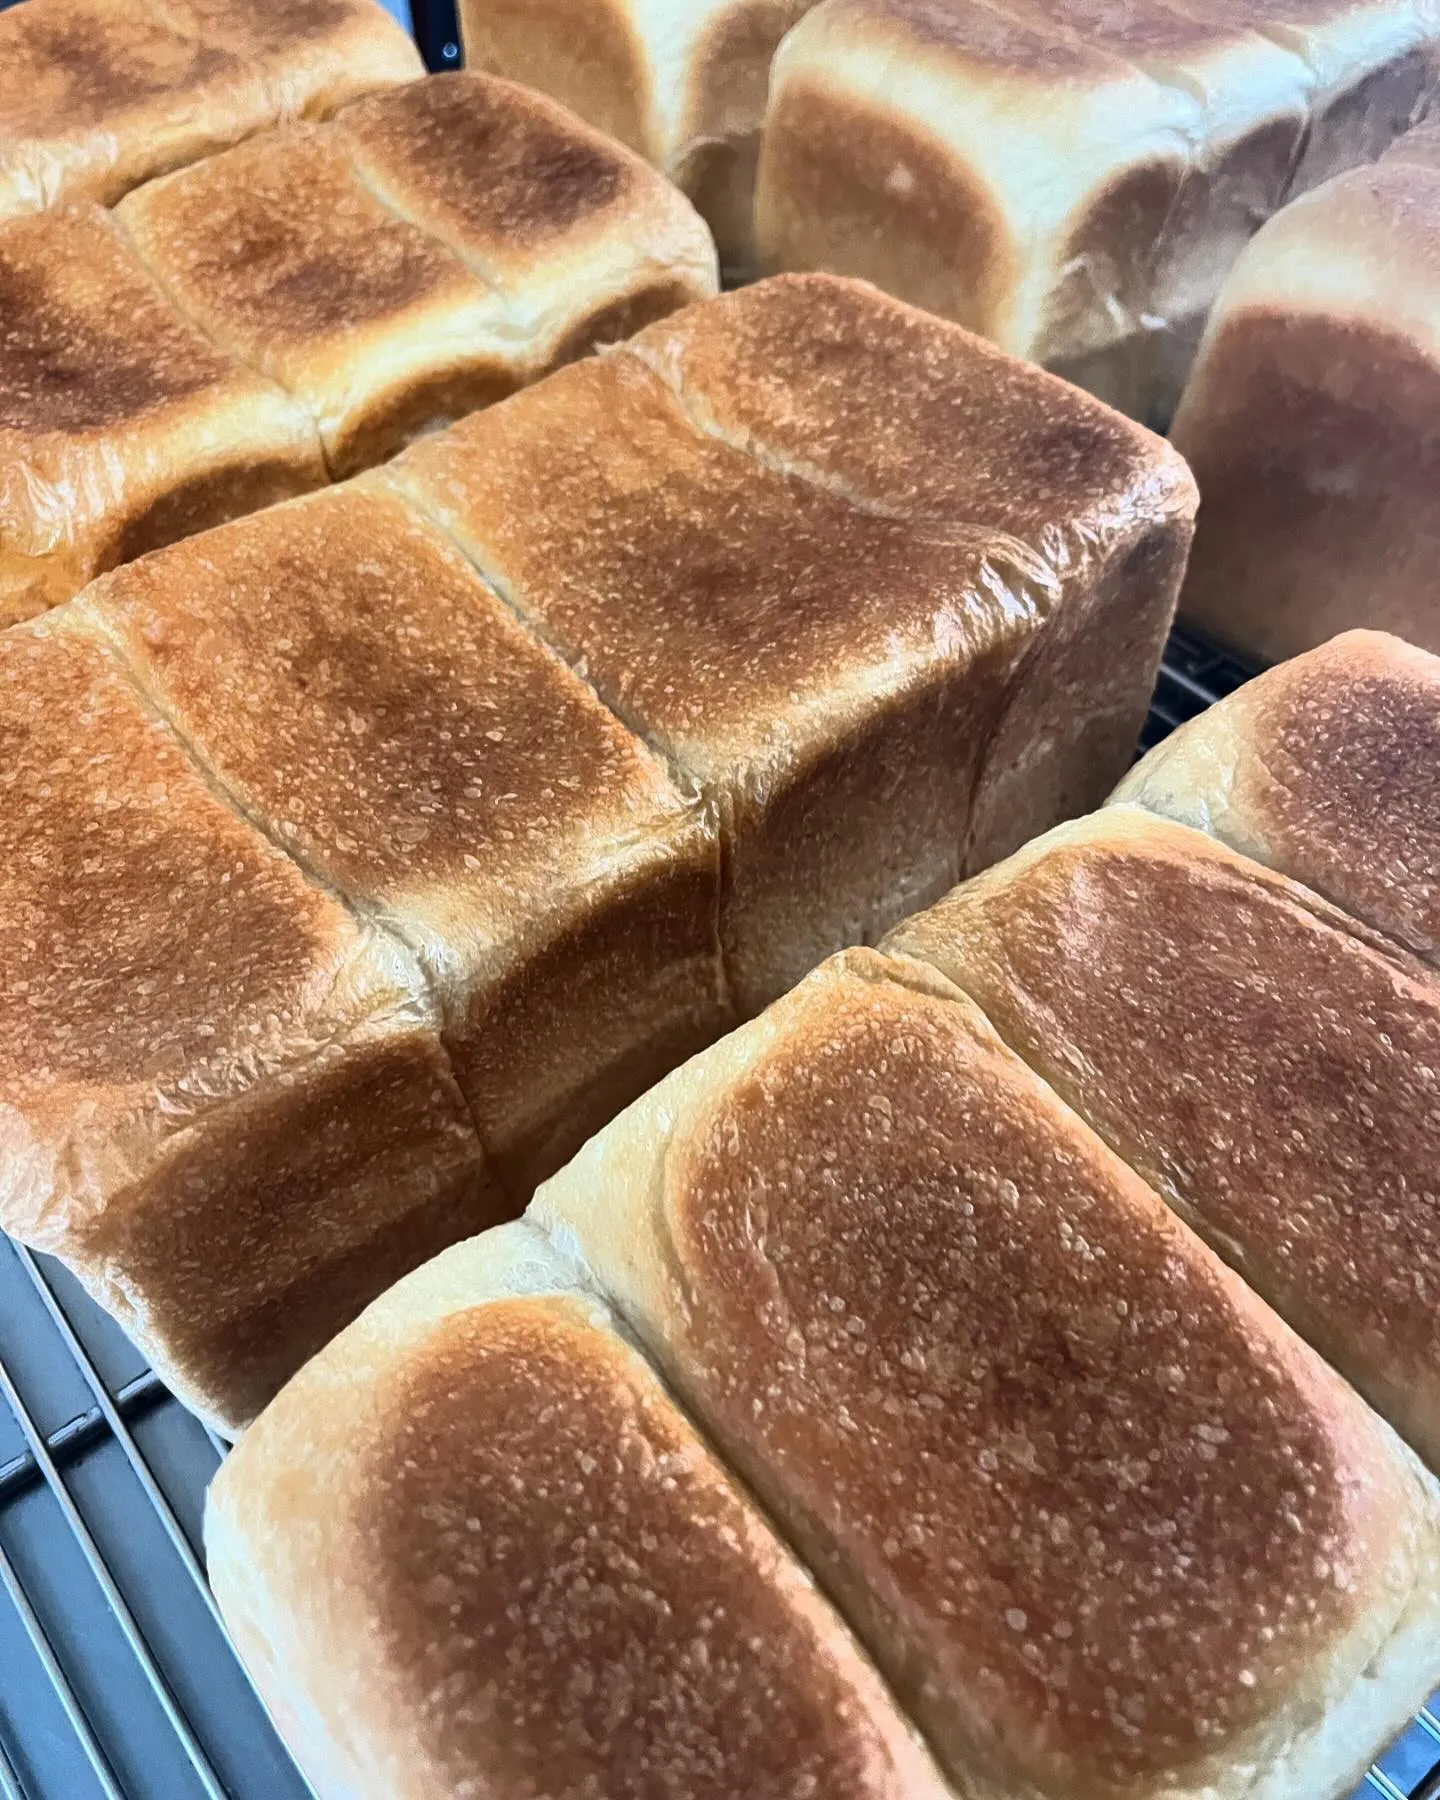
(1108, 1527)
(99, 96)
(432, 249)
(1326, 768)
(1266, 1064)
(345, 677)
(849, 603)
(1072, 179)
(683, 84)
(121, 425)
(1309, 418)
(223, 1099)
(892, 599)
(475, 1548)
(427, 253)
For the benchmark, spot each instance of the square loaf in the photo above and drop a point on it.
(223, 1101)
(892, 599)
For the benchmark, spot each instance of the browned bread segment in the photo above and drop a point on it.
(1073, 180)
(1309, 419)
(222, 1101)
(439, 246)
(581, 240)
(891, 598)
(350, 681)
(1267, 1066)
(121, 426)
(684, 85)
(1326, 768)
(99, 96)
(279, 253)
(476, 1549)
(1111, 1530)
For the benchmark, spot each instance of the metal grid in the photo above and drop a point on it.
(116, 1678)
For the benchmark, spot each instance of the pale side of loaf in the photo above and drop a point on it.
(1074, 180)
(475, 1548)
(1268, 1065)
(348, 680)
(1326, 769)
(99, 97)
(303, 305)
(1309, 419)
(225, 1101)
(1112, 1531)
(121, 425)
(891, 598)
(682, 83)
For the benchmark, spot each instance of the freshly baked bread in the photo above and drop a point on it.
(283, 256)
(303, 305)
(892, 599)
(683, 85)
(1309, 419)
(98, 97)
(582, 241)
(222, 1100)
(474, 1548)
(1110, 1529)
(1327, 769)
(1264, 1063)
(1074, 179)
(348, 680)
(121, 426)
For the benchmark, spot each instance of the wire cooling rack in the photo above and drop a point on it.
(116, 1679)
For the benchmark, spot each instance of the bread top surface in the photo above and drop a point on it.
(151, 944)
(1328, 769)
(352, 680)
(495, 171)
(1110, 1508)
(88, 345)
(1251, 1052)
(1362, 250)
(725, 608)
(74, 66)
(290, 32)
(608, 1612)
(278, 247)
(714, 581)
(910, 413)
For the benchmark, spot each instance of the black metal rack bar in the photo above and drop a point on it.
(116, 1679)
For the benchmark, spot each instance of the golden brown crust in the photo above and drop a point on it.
(99, 98)
(546, 175)
(355, 685)
(834, 672)
(1327, 769)
(589, 58)
(616, 1586)
(120, 425)
(1106, 1524)
(174, 1000)
(1270, 1071)
(285, 259)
